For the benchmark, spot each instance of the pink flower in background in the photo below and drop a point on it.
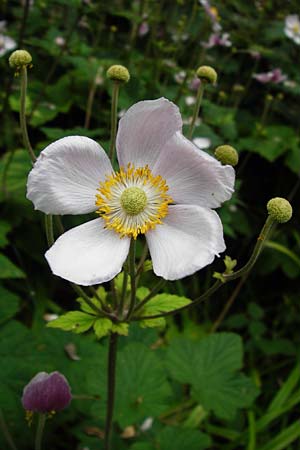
(46, 393)
(292, 28)
(212, 13)
(166, 189)
(180, 76)
(217, 39)
(274, 76)
(143, 29)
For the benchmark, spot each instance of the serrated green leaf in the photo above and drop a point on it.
(102, 327)
(211, 366)
(121, 328)
(159, 304)
(164, 303)
(75, 321)
(142, 389)
(8, 269)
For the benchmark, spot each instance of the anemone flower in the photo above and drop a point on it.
(46, 393)
(292, 28)
(274, 76)
(165, 189)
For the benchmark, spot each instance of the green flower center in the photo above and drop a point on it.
(133, 200)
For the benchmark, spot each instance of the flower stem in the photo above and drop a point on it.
(23, 114)
(111, 382)
(39, 431)
(6, 433)
(257, 249)
(132, 278)
(196, 109)
(114, 111)
(265, 232)
(49, 229)
(151, 294)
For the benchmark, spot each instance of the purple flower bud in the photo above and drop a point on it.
(46, 393)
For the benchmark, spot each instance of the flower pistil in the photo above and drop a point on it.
(133, 201)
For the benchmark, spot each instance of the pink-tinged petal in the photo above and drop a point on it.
(188, 240)
(144, 129)
(88, 254)
(193, 176)
(66, 175)
(46, 393)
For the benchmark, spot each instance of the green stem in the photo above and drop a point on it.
(123, 293)
(49, 229)
(39, 431)
(23, 114)
(131, 262)
(257, 249)
(114, 119)
(111, 382)
(6, 432)
(87, 300)
(226, 277)
(153, 291)
(95, 294)
(196, 109)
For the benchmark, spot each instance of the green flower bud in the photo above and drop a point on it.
(19, 59)
(227, 155)
(207, 74)
(280, 209)
(118, 73)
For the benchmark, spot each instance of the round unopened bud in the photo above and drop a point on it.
(20, 58)
(280, 209)
(207, 74)
(118, 73)
(227, 155)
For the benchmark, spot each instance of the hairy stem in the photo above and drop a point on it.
(226, 277)
(196, 109)
(111, 382)
(49, 229)
(39, 431)
(114, 118)
(23, 114)
(132, 278)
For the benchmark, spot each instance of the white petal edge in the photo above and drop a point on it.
(144, 129)
(66, 175)
(88, 254)
(193, 176)
(188, 240)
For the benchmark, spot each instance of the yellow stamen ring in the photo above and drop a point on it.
(133, 201)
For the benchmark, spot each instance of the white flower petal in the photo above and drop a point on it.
(188, 240)
(66, 175)
(144, 129)
(202, 142)
(193, 176)
(88, 254)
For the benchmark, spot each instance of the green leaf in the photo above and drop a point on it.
(102, 327)
(159, 304)
(75, 321)
(211, 366)
(86, 308)
(14, 169)
(5, 227)
(142, 389)
(9, 304)
(8, 269)
(121, 328)
(185, 439)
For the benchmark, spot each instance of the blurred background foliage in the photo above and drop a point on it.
(192, 385)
